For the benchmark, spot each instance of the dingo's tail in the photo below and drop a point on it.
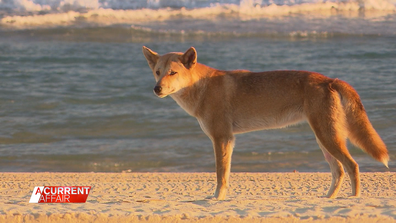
(360, 130)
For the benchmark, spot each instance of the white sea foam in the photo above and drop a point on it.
(68, 12)
(76, 4)
(29, 5)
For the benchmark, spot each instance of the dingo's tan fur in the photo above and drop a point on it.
(230, 102)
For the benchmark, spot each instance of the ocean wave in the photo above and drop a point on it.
(95, 13)
(76, 5)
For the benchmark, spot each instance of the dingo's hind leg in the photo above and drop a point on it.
(337, 172)
(336, 146)
(327, 120)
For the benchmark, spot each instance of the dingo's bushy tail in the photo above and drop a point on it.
(360, 130)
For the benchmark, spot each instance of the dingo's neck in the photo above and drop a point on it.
(190, 98)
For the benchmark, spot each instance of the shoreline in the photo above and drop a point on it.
(180, 197)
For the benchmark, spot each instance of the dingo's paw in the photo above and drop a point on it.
(214, 198)
(354, 196)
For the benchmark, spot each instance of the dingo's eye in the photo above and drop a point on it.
(157, 72)
(173, 73)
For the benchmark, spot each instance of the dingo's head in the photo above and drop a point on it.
(171, 71)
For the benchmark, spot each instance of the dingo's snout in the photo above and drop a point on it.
(157, 90)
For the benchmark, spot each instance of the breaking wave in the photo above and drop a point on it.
(33, 14)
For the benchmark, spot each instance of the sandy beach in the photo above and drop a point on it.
(180, 197)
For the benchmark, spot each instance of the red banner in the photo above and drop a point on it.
(60, 194)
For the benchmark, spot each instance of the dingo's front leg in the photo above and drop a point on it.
(223, 147)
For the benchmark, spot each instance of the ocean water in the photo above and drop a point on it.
(76, 92)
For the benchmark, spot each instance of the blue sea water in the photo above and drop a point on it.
(76, 91)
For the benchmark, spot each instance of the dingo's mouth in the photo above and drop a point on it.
(163, 95)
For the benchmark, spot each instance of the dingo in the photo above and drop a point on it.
(231, 102)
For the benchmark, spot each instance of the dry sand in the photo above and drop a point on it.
(180, 197)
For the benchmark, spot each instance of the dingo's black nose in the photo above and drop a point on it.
(157, 89)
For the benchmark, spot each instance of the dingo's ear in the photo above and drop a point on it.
(189, 58)
(151, 57)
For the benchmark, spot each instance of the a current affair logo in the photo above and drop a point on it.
(60, 194)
